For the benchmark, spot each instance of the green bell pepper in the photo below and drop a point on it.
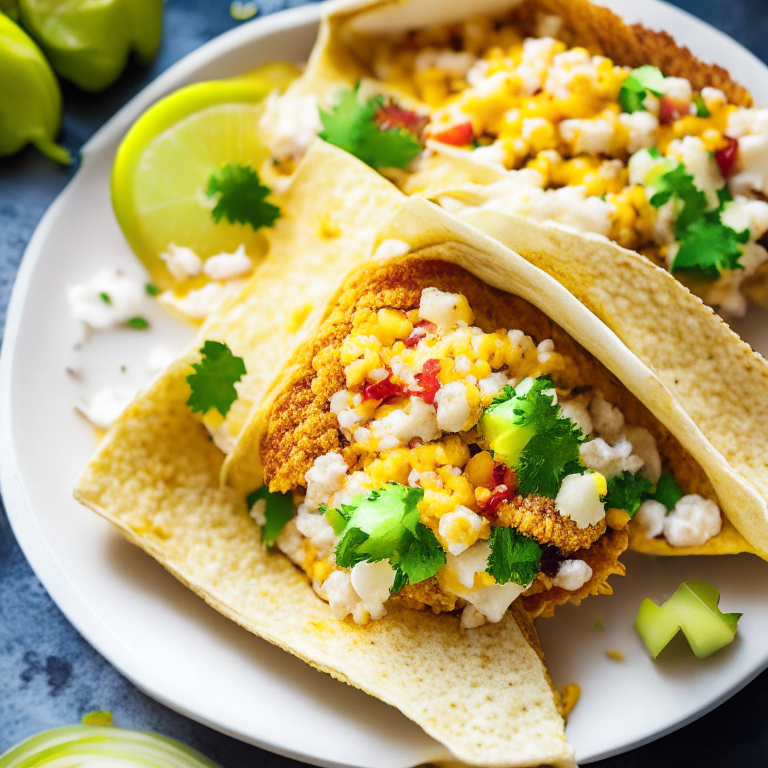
(30, 99)
(89, 42)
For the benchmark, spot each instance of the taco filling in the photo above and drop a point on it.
(460, 467)
(674, 172)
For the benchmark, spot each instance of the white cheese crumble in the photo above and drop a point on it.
(471, 618)
(572, 575)
(650, 517)
(342, 597)
(592, 136)
(641, 127)
(455, 64)
(324, 478)
(607, 420)
(610, 460)
(576, 411)
(440, 308)
(372, 583)
(644, 447)
(258, 513)
(108, 299)
(693, 521)
(104, 407)
(182, 262)
(678, 89)
(492, 600)
(457, 528)
(453, 409)
(743, 213)
(356, 484)
(339, 401)
(225, 266)
(401, 427)
(289, 124)
(579, 499)
(492, 383)
(544, 350)
(291, 543)
(391, 249)
(316, 528)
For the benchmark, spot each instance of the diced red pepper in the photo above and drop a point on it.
(727, 156)
(391, 115)
(457, 135)
(428, 382)
(420, 330)
(503, 484)
(502, 475)
(382, 390)
(670, 110)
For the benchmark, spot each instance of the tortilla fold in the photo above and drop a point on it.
(156, 477)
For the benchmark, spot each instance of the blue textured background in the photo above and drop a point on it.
(49, 675)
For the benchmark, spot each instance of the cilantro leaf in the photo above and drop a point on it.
(278, 509)
(701, 107)
(152, 289)
(678, 182)
(213, 382)
(138, 323)
(554, 447)
(241, 197)
(667, 491)
(513, 557)
(709, 247)
(386, 526)
(636, 87)
(351, 125)
(627, 491)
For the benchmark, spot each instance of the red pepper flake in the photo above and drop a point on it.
(428, 382)
(457, 135)
(382, 390)
(391, 115)
(670, 110)
(420, 330)
(503, 484)
(502, 475)
(727, 156)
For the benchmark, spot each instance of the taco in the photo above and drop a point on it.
(455, 450)
(553, 109)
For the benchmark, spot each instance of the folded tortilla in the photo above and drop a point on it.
(486, 696)
(720, 381)
(691, 418)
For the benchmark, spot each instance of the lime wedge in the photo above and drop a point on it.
(163, 165)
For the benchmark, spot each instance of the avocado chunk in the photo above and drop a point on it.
(694, 609)
(507, 434)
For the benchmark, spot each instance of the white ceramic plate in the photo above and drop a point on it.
(182, 652)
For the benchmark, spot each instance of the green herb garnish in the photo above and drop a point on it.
(627, 491)
(138, 323)
(351, 125)
(213, 382)
(278, 510)
(241, 197)
(105, 298)
(667, 491)
(638, 85)
(386, 526)
(513, 557)
(152, 289)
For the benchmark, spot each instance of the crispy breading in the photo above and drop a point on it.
(603, 32)
(602, 557)
(427, 594)
(537, 517)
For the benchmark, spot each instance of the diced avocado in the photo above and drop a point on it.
(497, 425)
(693, 608)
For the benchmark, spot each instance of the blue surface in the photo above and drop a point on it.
(49, 675)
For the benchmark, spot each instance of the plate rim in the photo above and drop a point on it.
(21, 517)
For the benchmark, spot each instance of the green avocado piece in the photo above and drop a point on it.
(497, 425)
(694, 609)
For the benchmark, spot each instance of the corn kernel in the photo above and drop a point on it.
(617, 518)
(479, 469)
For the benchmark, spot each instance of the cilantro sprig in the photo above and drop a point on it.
(552, 451)
(214, 379)
(667, 491)
(241, 197)
(385, 525)
(278, 510)
(514, 557)
(638, 85)
(627, 491)
(351, 125)
(707, 246)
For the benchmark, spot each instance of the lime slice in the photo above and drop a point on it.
(164, 163)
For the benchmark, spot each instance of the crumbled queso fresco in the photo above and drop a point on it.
(575, 145)
(419, 386)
